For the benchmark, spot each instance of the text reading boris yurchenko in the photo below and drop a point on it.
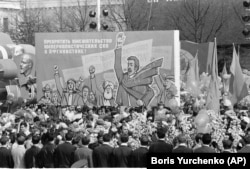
(199, 161)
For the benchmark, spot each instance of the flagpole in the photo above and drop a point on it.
(239, 51)
(216, 68)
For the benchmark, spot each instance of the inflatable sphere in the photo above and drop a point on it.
(202, 119)
(173, 104)
(204, 129)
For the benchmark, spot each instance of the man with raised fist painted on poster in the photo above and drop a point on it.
(134, 84)
(68, 92)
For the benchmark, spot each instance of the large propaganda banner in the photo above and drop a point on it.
(107, 68)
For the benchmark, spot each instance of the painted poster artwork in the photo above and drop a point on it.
(105, 68)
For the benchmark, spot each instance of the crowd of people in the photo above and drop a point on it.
(62, 137)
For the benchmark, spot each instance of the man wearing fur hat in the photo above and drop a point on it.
(108, 99)
(47, 91)
(70, 94)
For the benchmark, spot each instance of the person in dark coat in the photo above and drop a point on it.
(84, 153)
(5, 154)
(227, 145)
(139, 156)
(102, 155)
(97, 143)
(46, 155)
(30, 157)
(160, 146)
(246, 148)
(182, 145)
(64, 153)
(123, 154)
(198, 141)
(205, 148)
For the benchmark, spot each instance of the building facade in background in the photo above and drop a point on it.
(57, 11)
(128, 15)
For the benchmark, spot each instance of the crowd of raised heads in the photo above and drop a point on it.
(53, 136)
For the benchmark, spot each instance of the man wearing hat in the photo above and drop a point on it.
(108, 99)
(70, 94)
(47, 91)
(165, 85)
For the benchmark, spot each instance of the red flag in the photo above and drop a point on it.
(193, 77)
(238, 87)
(225, 79)
(213, 96)
(196, 68)
(224, 71)
(189, 50)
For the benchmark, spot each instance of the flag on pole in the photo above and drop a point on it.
(224, 71)
(193, 77)
(213, 96)
(225, 78)
(238, 87)
(196, 68)
(189, 50)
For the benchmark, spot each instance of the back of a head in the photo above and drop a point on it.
(69, 136)
(35, 139)
(76, 140)
(50, 136)
(106, 138)
(12, 138)
(182, 139)
(20, 139)
(206, 139)
(85, 140)
(227, 144)
(124, 138)
(161, 133)
(4, 140)
(198, 137)
(247, 139)
(144, 141)
(100, 135)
